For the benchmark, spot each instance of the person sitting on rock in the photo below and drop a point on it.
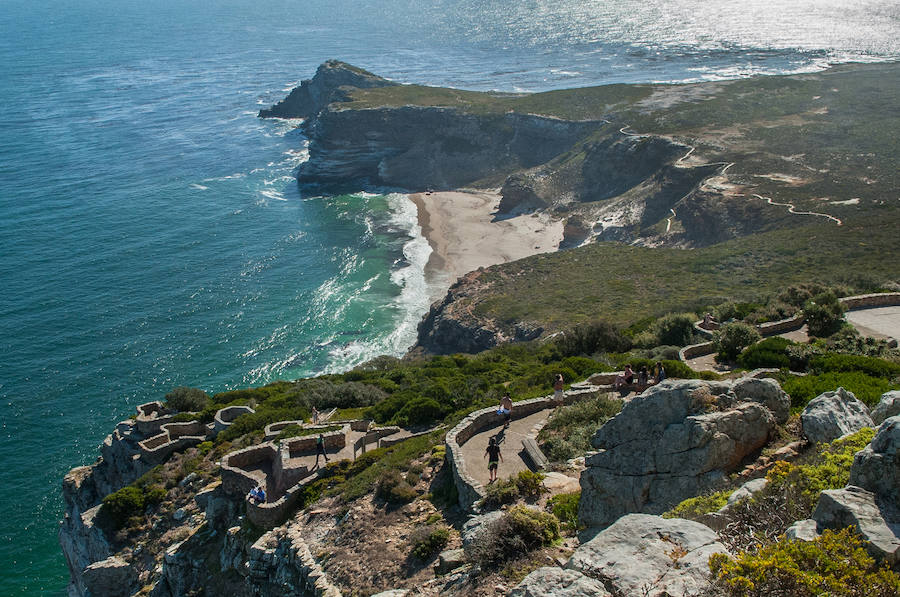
(643, 376)
(626, 379)
(257, 495)
(494, 458)
(505, 409)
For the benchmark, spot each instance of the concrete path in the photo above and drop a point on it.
(510, 447)
(880, 322)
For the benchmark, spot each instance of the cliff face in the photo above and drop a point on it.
(417, 148)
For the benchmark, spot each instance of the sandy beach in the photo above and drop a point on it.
(465, 233)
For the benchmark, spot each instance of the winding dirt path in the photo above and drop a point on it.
(792, 209)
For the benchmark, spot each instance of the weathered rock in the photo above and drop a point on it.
(557, 582)
(766, 391)
(112, 577)
(476, 525)
(746, 491)
(840, 508)
(876, 468)
(648, 555)
(804, 530)
(312, 95)
(448, 560)
(664, 447)
(393, 593)
(888, 406)
(83, 543)
(832, 415)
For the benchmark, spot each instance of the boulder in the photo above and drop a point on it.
(557, 582)
(112, 577)
(766, 391)
(746, 491)
(832, 415)
(876, 468)
(448, 560)
(888, 406)
(476, 525)
(803, 530)
(667, 445)
(648, 555)
(840, 508)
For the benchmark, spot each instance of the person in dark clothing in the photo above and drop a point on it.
(494, 458)
(320, 448)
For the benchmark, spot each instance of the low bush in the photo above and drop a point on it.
(524, 485)
(771, 352)
(732, 338)
(428, 540)
(592, 338)
(675, 329)
(871, 366)
(695, 507)
(187, 399)
(516, 533)
(564, 506)
(257, 421)
(824, 314)
(866, 388)
(834, 564)
(132, 500)
(419, 411)
(393, 488)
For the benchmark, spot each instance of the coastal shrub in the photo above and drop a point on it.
(393, 488)
(848, 341)
(583, 366)
(676, 329)
(834, 564)
(119, 506)
(530, 484)
(419, 411)
(519, 531)
(428, 540)
(771, 352)
(564, 507)
(185, 399)
(734, 311)
(524, 485)
(568, 432)
(775, 311)
(866, 388)
(695, 507)
(797, 295)
(257, 421)
(732, 338)
(592, 338)
(871, 366)
(824, 314)
(829, 468)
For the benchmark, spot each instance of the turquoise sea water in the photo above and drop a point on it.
(152, 234)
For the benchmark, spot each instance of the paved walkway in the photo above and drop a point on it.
(510, 447)
(880, 322)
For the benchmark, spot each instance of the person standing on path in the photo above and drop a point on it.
(494, 458)
(320, 449)
(558, 387)
(505, 409)
(315, 416)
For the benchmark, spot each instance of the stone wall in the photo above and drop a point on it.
(226, 416)
(870, 301)
(236, 481)
(151, 417)
(470, 490)
(174, 438)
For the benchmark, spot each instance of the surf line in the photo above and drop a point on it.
(793, 210)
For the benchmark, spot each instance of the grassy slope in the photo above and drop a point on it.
(833, 134)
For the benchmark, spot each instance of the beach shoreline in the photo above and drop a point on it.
(465, 234)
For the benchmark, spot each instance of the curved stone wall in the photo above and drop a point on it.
(226, 416)
(151, 417)
(174, 438)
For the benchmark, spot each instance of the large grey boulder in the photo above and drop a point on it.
(112, 577)
(877, 466)
(803, 530)
(649, 555)
(832, 415)
(557, 582)
(888, 406)
(840, 508)
(766, 391)
(476, 525)
(667, 445)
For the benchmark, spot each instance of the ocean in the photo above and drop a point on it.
(152, 233)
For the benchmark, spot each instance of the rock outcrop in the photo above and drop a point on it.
(314, 94)
(112, 577)
(668, 444)
(649, 555)
(877, 466)
(557, 582)
(767, 392)
(854, 506)
(832, 415)
(888, 406)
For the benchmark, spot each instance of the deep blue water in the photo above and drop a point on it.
(152, 234)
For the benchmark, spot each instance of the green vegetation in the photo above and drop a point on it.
(568, 432)
(771, 352)
(824, 314)
(828, 469)
(834, 564)
(564, 506)
(732, 338)
(121, 507)
(187, 399)
(519, 531)
(866, 388)
(696, 507)
(393, 488)
(525, 485)
(428, 540)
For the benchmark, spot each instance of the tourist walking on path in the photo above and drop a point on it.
(558, 387)
(494, 458)
(320, 449)
(505, 409)
(315, 416)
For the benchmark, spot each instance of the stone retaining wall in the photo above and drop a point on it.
(871, 301)
(175, 437)
(151, 417)
(226, 416)
(283, 557)
(237, 482)
(470, 490)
